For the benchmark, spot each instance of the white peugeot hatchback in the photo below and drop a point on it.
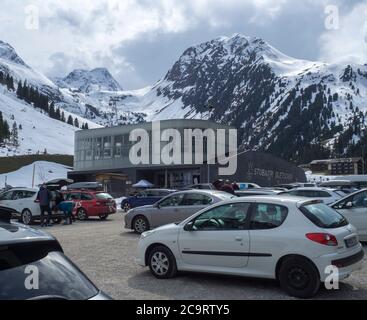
(292, 240)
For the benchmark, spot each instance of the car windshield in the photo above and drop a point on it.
(323, 216)
(103, 196)
(52, 275)
(340, 193)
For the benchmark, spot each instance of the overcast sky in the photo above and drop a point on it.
(139, 40)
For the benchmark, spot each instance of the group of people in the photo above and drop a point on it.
(226, 186)
(53, 202)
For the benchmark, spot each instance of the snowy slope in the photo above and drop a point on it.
(283, 105)
(39, 132)
(44, 171)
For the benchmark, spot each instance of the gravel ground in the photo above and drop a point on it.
(106, 253)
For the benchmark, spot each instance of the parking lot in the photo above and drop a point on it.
(106, 252)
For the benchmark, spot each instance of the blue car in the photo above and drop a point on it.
(144, 198)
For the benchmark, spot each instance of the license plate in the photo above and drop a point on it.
(351, 242)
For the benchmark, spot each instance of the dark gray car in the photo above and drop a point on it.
(174, 208)
(30, 256)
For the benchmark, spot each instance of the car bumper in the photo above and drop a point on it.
(346, 263)
(16, 215)
(128, 221)
(142, 247)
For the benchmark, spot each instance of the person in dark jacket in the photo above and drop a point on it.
(223, 186)
(44, 199)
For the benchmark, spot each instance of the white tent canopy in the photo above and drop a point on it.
(143, 184)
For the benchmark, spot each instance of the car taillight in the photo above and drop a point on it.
(323, 238)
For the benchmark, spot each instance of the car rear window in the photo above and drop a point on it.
(103, 196)
(323, 216)
(58, 278)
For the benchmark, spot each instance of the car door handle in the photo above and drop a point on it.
(238, 238)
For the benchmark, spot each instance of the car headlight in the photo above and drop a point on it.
(146, 234)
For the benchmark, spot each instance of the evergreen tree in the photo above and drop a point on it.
(20, 90)
(70, 120)
(14, 135)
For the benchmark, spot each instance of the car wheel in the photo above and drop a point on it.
(162, 263)
(57, 220)
(126, 207)
(26, 217)
(299, 277)
(103, 216)
(82, 214)
(140, 224)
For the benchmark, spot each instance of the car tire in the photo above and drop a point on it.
(162, 263)
(26, 217)
(103, 216)
(299, 277)
(82, 214)
(57, 220)
(126, 207)
(140, 224)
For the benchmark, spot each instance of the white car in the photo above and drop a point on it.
(282, 238)
(22, 200)
(328, 196)
(354, 208)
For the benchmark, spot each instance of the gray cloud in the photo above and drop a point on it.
(140, 40)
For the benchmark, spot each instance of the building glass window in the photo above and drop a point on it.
(98, 149)
(107, 147)
(118, 146)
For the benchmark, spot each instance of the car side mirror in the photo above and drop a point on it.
(349, 205)
(157, 205)
(189, 226)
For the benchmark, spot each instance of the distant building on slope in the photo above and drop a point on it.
(337, 167)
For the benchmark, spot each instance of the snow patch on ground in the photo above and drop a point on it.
(44, 171)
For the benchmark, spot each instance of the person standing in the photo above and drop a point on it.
(44, 199)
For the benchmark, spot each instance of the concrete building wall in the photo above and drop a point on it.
(108, 148)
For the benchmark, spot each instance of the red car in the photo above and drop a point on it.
(91, 204)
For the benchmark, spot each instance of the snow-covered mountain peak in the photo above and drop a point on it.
(7, 52)
(236, 50)
(99, 79)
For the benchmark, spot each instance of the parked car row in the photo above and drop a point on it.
(87, 203)
(291, 236)
(278, 237)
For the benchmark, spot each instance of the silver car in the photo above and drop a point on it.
(354, 208)
(174, 208)
(23, 247)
